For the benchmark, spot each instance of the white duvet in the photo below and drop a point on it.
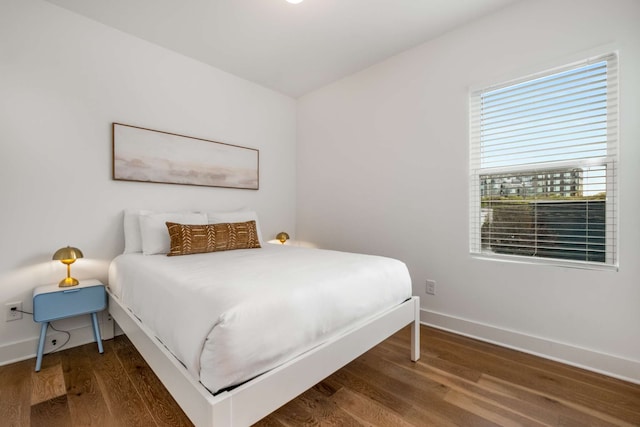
(230, 316)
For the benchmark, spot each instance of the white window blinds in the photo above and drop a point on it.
(543, 166)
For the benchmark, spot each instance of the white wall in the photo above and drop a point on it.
(63, 80)
(383, 168)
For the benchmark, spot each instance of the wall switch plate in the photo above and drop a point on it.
(431, 287)
(13, 314)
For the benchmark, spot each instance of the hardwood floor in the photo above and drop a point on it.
(458, 382)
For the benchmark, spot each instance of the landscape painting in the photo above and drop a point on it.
(147, 155)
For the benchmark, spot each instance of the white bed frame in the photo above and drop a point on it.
(248, 403)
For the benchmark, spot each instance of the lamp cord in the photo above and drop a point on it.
(55, 329)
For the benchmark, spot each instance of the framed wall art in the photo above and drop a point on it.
(148, 155)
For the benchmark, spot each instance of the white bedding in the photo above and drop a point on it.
(230, 316)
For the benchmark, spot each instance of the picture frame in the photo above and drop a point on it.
(147, 155)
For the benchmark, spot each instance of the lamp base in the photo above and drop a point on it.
(68, 281)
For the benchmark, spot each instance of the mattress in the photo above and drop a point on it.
(230, 316)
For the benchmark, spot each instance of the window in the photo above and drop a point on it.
(543, 166)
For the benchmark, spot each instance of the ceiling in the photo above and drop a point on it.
(292, 49)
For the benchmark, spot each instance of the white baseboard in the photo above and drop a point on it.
(613, 366)
(80, 334)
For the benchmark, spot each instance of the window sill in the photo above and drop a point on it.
(582, 265)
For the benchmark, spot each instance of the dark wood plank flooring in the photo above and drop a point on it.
(458, 382)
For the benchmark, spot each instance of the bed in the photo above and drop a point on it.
(211, 325)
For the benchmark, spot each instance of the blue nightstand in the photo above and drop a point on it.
(51, 302)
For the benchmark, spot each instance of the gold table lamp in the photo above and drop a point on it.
(68, 256)
(282, 236)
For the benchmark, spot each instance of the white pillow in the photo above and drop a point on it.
(236, 216)
(132, 237)
(153, 229)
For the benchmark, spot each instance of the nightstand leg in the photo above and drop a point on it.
(43, 336)
(96, 331)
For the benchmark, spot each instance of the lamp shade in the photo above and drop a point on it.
(67, 253)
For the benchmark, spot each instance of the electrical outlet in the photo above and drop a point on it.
(431, 287)
(14, 311)
(54, 341)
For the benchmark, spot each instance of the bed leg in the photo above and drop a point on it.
(415, 332)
